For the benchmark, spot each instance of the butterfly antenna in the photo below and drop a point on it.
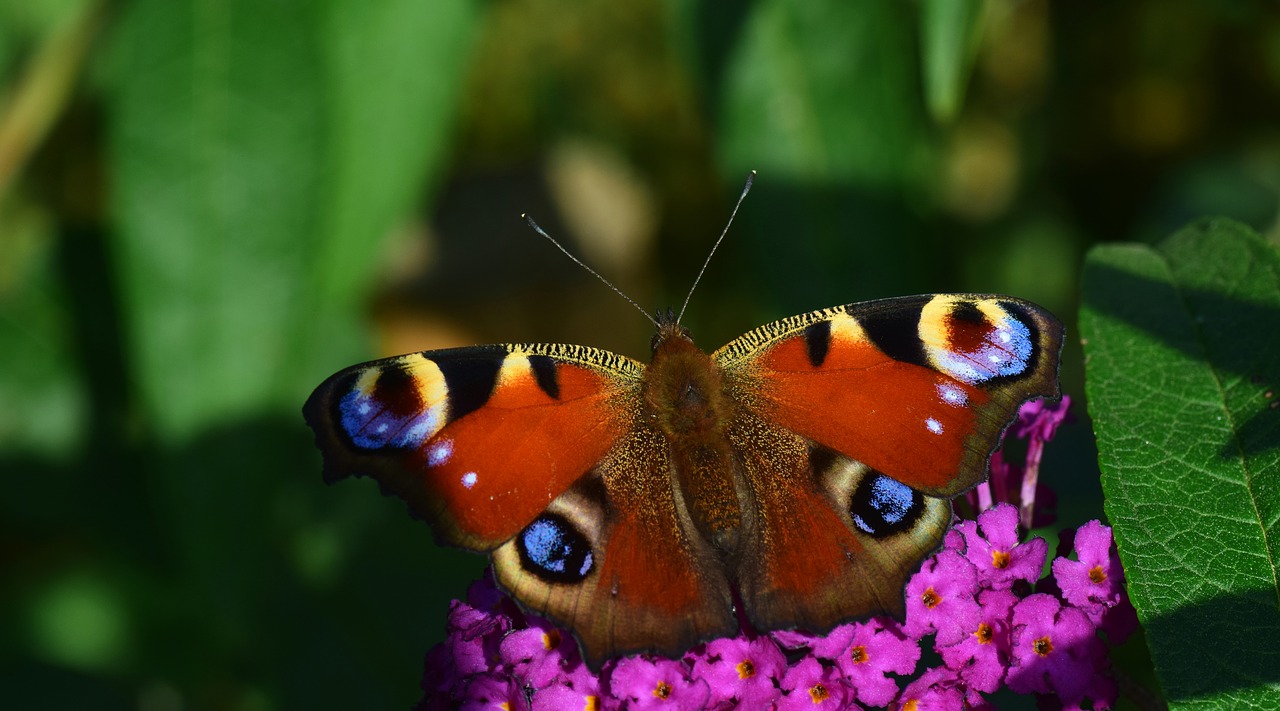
(751, 178)
(593, 272)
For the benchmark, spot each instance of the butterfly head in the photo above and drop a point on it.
(669, 329)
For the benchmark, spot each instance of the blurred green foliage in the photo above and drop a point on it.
(207, 207)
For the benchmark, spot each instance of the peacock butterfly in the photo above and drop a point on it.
(802, 471)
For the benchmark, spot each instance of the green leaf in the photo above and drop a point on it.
(395, 68)
(263, 151)
(949, 35)
(824, 92)
(1181, 345)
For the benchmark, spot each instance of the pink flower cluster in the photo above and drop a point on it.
(979, 603)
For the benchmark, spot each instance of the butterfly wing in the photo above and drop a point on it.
(477, 441)
(535, 453)
(880, 412)
(659, 587)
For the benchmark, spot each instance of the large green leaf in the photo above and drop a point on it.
(824, 92)
(262, 152)
(1183, 360)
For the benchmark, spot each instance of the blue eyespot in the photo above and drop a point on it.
(554, 549)
(1005, 351)
(372, 425)
(881, 506)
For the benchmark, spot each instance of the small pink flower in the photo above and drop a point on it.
(1055, 650)
(493, 692)
(741, 671)
(937, 689)
(539, 653)
(578, 689)
(940, 598)
(1094, 582)
(864, 652)
(981, 658)
(1038, 419)
(996, 553)
(656, 684)
(811, 686)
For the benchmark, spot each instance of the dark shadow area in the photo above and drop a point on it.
(232, 546)
(1225, 644)
(1238, 337)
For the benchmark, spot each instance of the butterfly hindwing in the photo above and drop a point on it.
(829, 539)
(646, 581)
(477, 441)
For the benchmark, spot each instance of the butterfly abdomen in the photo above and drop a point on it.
(685, 398)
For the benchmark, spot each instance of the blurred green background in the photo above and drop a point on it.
(208, 206)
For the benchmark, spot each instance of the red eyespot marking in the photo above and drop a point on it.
(967, 329)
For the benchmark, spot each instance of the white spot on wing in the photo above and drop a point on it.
(440, 452)
(952, 395)
(933, 425)
(469, 480)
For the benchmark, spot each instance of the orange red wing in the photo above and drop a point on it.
(477, 441)
(918, 388)
(858, 424)
(536, 454)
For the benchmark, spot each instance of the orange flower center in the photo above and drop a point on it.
(984, 633)
(911, 705)
(1000, 559)
(859, 654)
(662, 690)
(819, 693)
(746, 669)
(1097, 574)
(592, 704)
(930, 598)
(551, 640)
(1043, 646)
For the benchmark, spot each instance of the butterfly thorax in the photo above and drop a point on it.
(685, 399)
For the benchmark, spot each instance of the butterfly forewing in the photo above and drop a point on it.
(477, 441)
(918, 388)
